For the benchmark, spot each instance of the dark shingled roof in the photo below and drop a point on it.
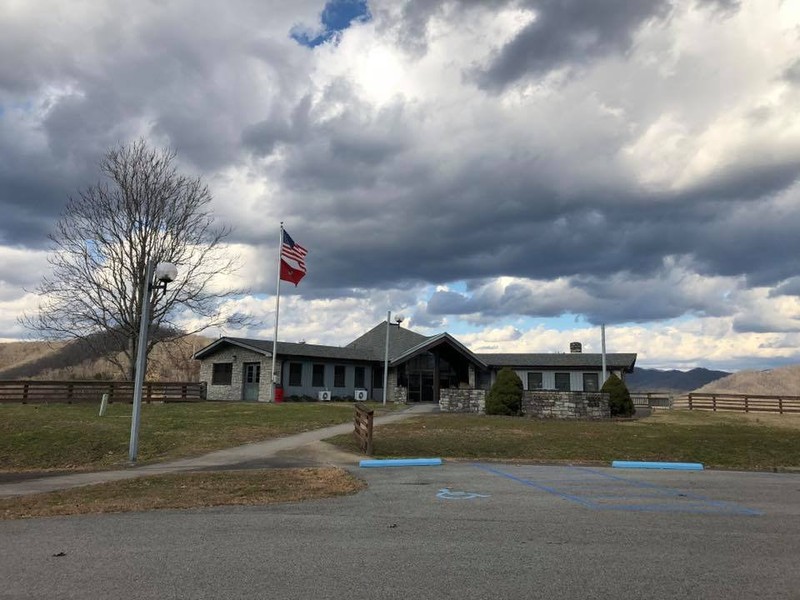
(288, 349)
(567, 360)
(400, 341)
(404, 343)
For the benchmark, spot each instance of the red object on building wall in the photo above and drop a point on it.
(278, 394)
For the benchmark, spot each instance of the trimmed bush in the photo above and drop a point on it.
(619, 398)
(505, 397)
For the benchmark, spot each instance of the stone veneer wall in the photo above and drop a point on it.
(462, 400)
(234, 391)
(550, 404)
(545, 404)
(399, 395)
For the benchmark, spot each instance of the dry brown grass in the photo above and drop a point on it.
(188, 490)
(784, 380)
(682, 417)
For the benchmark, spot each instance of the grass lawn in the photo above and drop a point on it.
(73, 437)
(190, 490)
(718, 440)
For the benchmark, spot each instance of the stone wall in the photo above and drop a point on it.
(545, 404)
(399, 395)
(550, 404)
(462, 400)
(237, 356)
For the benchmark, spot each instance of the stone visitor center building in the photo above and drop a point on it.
(435, 368)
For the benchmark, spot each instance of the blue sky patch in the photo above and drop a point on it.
(337, 16)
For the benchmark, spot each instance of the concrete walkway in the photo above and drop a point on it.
(255, 455)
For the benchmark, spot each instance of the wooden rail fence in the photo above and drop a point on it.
(739, 402)
(43, 392)
(652, 399)
(363, 428)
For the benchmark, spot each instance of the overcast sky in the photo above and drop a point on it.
(513, 172)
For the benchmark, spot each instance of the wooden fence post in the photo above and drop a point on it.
(690, 402)
(780, 405)
(25, 393)
(714, 403)
(746, 402)
(363, 421)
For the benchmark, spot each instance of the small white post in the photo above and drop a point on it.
(103, 405)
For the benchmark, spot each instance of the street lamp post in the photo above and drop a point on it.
(164, 273)
(398, 319)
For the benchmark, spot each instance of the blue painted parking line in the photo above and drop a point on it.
(598, 490)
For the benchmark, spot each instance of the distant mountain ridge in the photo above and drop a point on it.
(655, 380)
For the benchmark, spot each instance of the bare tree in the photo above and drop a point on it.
(143, 209)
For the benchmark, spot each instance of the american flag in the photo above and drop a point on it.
(294, 252)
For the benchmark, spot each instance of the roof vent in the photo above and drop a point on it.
(575, 347)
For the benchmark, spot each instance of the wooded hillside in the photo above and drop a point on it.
(169, 361)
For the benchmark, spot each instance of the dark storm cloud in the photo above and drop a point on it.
(382, 195)
(790, 287)
(187, 76)
(620, 298)
(568, 33)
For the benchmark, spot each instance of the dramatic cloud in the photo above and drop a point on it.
(479, 165)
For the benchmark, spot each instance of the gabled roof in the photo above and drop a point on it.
(285, 349)
(404, 344)
(435, 340)
(374, 341)
(624, 361)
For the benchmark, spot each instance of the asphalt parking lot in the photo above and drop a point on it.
(461, 530)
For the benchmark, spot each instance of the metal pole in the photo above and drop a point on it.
(141, 363)
(603, 346)
(273, 379)
(386, 358)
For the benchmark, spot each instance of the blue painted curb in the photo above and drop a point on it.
(675, 466)
(401, 462)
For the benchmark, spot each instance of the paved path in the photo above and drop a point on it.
(248, 456)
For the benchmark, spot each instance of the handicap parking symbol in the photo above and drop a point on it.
(447, 494)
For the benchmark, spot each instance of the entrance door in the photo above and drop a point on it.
(251, 378)
(427, 387)
(420, 387)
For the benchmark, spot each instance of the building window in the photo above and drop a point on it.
(562, 382)
(338, 376)
(221, 373)
(377, 378)
(318, 376)
(359, 377)
(534, 381)
(296, 374)
(591, 382)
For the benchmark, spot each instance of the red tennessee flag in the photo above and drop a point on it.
(293, 260)
(289, 273)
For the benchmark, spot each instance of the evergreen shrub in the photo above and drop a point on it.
(619, 400)
(505, 397)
